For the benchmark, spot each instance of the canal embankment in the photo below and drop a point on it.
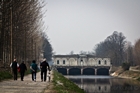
(61, 84)
(132, 73)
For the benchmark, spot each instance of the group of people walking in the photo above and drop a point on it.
(33, 67)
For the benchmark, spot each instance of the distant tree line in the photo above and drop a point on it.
(21, 31)
(47, 48)
(119, 50)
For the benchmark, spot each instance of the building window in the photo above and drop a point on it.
(57, 61)
(63, 61)
(99, 62)
(105, 61)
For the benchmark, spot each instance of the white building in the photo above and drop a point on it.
(80, 60)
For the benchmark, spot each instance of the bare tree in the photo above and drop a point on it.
(20, 30)
(129, 56)
(112, 47)
(137, 52)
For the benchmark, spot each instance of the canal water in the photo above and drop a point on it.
(105, 84)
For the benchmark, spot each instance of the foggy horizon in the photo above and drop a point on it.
(78, 25)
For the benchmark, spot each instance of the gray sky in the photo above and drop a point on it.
(78, 25)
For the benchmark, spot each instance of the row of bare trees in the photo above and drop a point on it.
(119, 50)
(20, 30)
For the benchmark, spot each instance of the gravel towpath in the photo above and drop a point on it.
(26, 86)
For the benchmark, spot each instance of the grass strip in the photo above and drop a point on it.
(5, 75)
(64, 85)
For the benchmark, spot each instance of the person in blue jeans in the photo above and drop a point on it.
(33, 68)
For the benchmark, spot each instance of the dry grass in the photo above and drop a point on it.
(50, 89)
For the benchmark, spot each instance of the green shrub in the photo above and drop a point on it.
(27, 72)
(5, 75)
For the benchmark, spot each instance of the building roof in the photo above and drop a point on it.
(74, 55)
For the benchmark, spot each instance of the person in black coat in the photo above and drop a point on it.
(23, 68)
(14, 65)
(43, 67)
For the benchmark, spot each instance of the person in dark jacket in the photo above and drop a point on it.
(14, 66)
(23, 68)
(33, 68)
(43, 67)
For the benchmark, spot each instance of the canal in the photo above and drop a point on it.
(105, 84)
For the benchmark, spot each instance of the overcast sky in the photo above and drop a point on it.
(78, 25)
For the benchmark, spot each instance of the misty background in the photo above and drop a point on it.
(79, 25)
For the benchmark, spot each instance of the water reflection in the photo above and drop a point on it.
(105, 84)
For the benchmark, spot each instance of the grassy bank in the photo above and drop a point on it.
(64, 85)
(5, 75)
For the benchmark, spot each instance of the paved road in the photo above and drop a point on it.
(26, 86)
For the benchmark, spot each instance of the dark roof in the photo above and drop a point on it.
(74, 55)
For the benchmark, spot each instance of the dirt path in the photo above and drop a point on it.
(50, 86)
(26, 86)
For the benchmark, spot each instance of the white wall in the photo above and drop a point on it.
(86, 62)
